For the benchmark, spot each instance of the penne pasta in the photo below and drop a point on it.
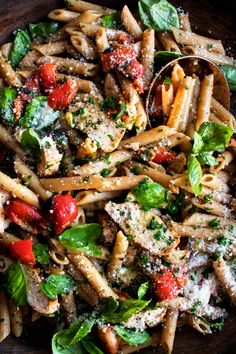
(81, 6)
(130, 23)
(168, 331)
(205, 97)
(147, 56)
(62, 15)
(5, 327)
(118, 256)
(167, 41)
(54, 48)
(15, 313)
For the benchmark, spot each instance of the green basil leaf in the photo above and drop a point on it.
(158, 14)
(7, 97)
(31, 141)
(198, 143)
(41, 253)
(79, 329)
(90, 346)
(112, 21)
(83, 238)
(150, 194)
(142, 290)
(38, 115)
(15, 283)
(215, 136)
(229, 72)
(126, 309)
(208, 159)
(108, 306)
(20, 47)
(217, 324)
(57, 284)
(194, 174)
(164, 56)
(72, 349)
(43, 29)
(132, 336)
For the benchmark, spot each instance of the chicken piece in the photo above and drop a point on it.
(145, 228)
(4, 221)
(50, 158)
(145, 319)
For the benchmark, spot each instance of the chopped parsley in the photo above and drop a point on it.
(136, 170)
(91, 100)
(208, 197)
(222, 240)
(105, 172)
(196, 305)
(214, 223)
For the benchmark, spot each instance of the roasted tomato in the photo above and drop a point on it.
(162, 155)
(23, 251)
(46, 74)
(168, 285)
(62, 94)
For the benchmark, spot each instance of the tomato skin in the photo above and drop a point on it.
(123, 38)
(23, 250)
(22, 213)
(62, 94)
(63, 212)
(46, 74)
(162, 155)
(166, 285)
(117, 58)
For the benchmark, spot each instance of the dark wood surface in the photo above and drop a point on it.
(212, 18)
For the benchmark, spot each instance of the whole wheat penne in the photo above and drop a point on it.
(102, 40)
(186, 112)
(15, 319)
(222, 113)
(214, 118)
(6, 49)
(98, 282)
(87, 197)
(118, 256)
(71, 65)
(141, 118)
(111, 87)
(167, 41)
(69, 305)
(205, 97)
(168, 331)
(177, 76)
(193, 109)
(226, 278)
(54, 48)
(199, 219)
(130, 23)
(167, 97)
(81, 6)
(62, 15)
(5, 326)
(223, 160)
(190, 38)
(202, 233)
(5, 261)
(11, 143)
(212, 206)
(84, 45)
(8, 238)
(198, 324)
(26, 173)
(184, 22)
(30, 59)
(147, 56)
(8, 73)
(217, 58)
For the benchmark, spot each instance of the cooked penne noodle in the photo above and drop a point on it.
(81, 6)
(54, 48)
(8, 238)
(168, 331)
(5, 262)
(177, 76)
(98, 282)
(185, 117)
(217, 58)
(147, 56)
(184, 22)
(167, 41)
(167, 97)
(62, 15)
(5, 326)
(69, 305)
(71, 65)
(111, 86)
(118, 256)
(130, 23)
(198, 324)
(193, 109)
(202, 233)
(226, 278)
(141, 118)
(15, 319)
(10, 76)
(190, 38)
(212, 206)
(199, 219)
(29, 61)
(27, 174)
(83, 45)
(223, 160)
(221, 113)
(88, 16)
(211, 181)
(205, 97)
(6, 49)
(87, 197)
(11, 143)
(58, 257)
(102, 40)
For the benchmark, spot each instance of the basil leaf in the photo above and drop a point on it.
(194, 174)
(57, 284)
(79, 329)
(215, 136)
(217, 324)
(150, 194)
(83, 238)
(108, 306)
(208, 159)
(20, 47)
(112, 21)
(90, 346)
(31, 141)
(41, 253)
(43, 29)
(158, 14)
(38, 115)
(15, 283)
(229, 72)
(126, 309)
(142, 290)
(198, 143)
(164, 56)
(72, 349)
(7, 97)
(132, 336)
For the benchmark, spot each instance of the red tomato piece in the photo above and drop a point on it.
(23, 250)
(123, 38)
(166, 285)
(32, 84)
(135, 71)
(46, 74)
(162, 155)
(63, 212)
(62, 94)
(117, 58)
(22, 213)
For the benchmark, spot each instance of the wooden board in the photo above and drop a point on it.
(207, 19)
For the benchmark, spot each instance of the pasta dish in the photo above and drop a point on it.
(117, 197)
